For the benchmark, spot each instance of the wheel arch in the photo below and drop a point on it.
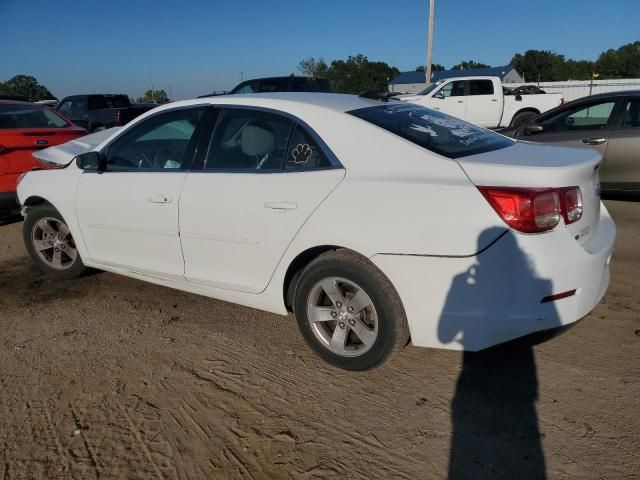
(34, 200)
(295, 268)
(533, 110)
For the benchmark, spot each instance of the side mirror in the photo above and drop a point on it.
(439, 94)
(533, 129)
(518, 98)
(91, 161)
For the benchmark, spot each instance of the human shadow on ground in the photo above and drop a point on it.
(495, 431)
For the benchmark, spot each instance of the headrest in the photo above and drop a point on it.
(257, 140)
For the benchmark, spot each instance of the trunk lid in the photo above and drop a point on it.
(531, 165)
(17, 145)
(63, 154)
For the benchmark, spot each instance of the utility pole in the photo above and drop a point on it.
(432, 7)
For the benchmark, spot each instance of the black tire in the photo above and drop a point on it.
(521, 118)
(72, 267)
(392, 327)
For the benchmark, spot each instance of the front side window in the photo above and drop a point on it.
(65, 109)
(78, 108)
(249, 140)
(583, 117)
(162, 142)
(304, 153)
(249, 87)
(435, 131)
(631, 114)
(454, 89)
(481, 87)
(29, 116)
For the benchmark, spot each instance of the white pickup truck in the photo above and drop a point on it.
(483, 101)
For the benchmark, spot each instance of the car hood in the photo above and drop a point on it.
(63, 154)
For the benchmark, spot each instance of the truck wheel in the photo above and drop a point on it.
(521, 118)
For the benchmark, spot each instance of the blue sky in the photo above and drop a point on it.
(80, 46)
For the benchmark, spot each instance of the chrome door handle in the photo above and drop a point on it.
(460, 101)
(594, 141)
(159, 199)
(281, 205)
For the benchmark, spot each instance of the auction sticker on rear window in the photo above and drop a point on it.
(440, 133)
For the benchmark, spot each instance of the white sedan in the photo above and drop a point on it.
(375, 222)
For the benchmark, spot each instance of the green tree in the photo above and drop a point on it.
(313, 67)
(155, 96)
(26, 86)
(468, 64)
(577, 70)
(621, 63)
(539, 65)
(357, 74)
(435, 67)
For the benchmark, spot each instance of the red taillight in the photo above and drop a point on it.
(572, 204)
(526, 210)
(118, 118)
(535, 210)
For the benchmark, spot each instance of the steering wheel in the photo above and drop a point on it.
(166, 153)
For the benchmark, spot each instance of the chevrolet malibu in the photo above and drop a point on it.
(374, 222)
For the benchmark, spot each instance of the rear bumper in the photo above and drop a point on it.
(473, 303)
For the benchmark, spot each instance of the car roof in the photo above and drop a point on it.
(616, 94)
(335, 102)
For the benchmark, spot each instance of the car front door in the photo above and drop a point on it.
(621, 168)
(484, 105)
(261, 178)
(128, 214)
(584, 125)
(450, 98)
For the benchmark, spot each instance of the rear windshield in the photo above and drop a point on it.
(29, 116)
(309, 84)
(100, 102)
(435, 131)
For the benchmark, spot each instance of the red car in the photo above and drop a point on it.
(25, 128)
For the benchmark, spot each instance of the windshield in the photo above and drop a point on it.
(29, 116)
(429, 89)
(435, 131)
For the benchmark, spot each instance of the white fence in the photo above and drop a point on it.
(573, 89)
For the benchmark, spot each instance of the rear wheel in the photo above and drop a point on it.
(521, 118)
(50, 244)
(348, 311)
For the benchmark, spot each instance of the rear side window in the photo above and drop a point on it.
(481, 87)
(249, 140)
(445, 135)
(304, 153)
(631, 114)
(29, 116)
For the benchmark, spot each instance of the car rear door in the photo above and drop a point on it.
(586, 124)
(261, 178)
(128, 214)
(621, 167)
(484, 103)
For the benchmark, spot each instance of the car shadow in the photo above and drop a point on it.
(10, 220)
(495, 432)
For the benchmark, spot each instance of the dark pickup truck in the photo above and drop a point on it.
(98, 112)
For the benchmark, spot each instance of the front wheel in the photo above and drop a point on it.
(50, 244)
(349, 312)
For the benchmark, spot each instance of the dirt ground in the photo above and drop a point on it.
(108, 377)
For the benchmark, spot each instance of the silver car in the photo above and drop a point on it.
(608, 122)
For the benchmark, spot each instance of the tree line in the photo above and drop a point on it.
(358, 74)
